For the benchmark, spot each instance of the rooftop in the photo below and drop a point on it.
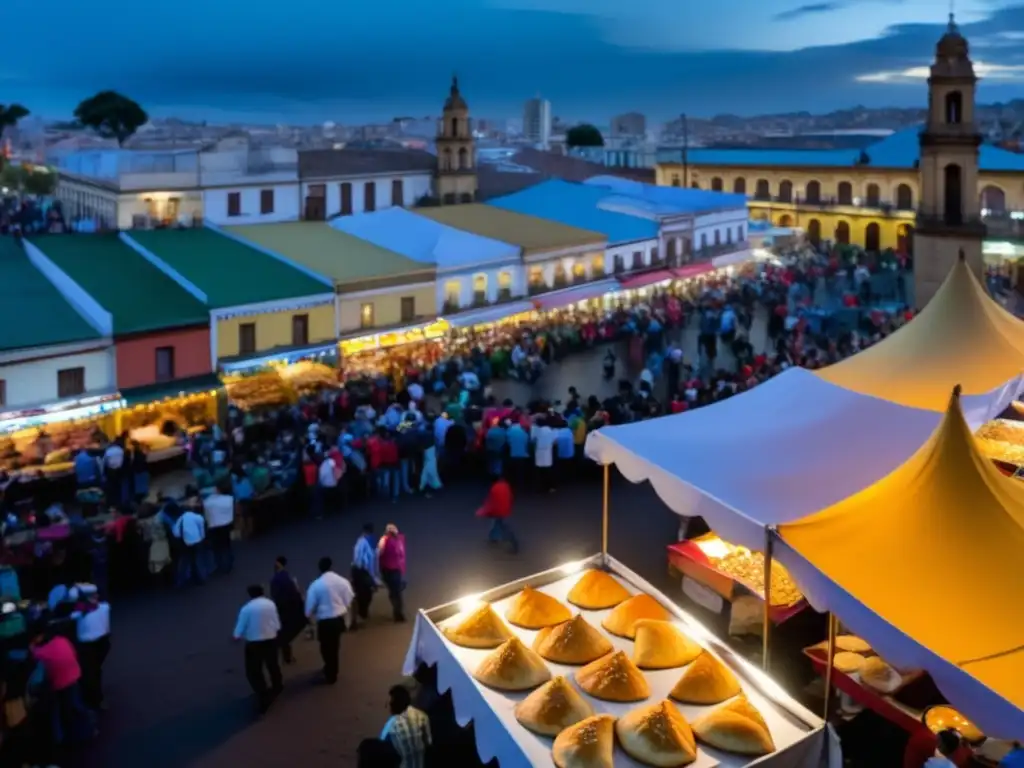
(568, 168)
(139, 296)
(530, 233)
(578, 205)
(336, 255)
(425, 240)
(33, 313)
(330, 163)
(230, 273)
(626, 194)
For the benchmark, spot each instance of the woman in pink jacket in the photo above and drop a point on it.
(391, 558)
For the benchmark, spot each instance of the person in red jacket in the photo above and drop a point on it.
(498, 508)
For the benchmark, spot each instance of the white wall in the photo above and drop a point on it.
(465, 281)
(724, 223)
(568, 259)
(414, 186)
(286, 205)
(35, 382)
(645, 247)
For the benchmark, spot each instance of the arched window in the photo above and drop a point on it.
(843, 233)
(463, 159)
(716, 183)
(904, 197)
(785, 220)
(561, 276)
(455, 126)
(954, 108)
(786, 191)
(872, 237)
(694, 185)
(479, 288)
(813, 192)
(676, 181)
(504, 285)
(814, 231)
(874, 196)
(762, 191)
(952, 208)
(845, 193)
(446, 159)
(739, 186)
(905, 238)
(993, 199)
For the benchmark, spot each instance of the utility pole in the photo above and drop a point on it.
(686, 149)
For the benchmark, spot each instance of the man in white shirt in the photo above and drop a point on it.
(190, 528)
(544, 454)
(327, 601)
(93, 630)
(258, 624)
(113, 472)
(219, 511)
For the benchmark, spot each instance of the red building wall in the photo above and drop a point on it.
(136, 355)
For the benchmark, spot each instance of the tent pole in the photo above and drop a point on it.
(830, 658)
(604, 514)
(769, 547)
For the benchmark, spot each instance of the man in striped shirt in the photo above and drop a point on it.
(365, 573)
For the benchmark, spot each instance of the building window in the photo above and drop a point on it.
(164, 363)
(718, 237)
(843, 233)
(638, 259)
(786, 191)
(234, 203)
(70, 382)
(739, 186)
(728, 235)
(246, 338)
(452, 295)
(904, 197)
(813, 192)
(449, 198)
(266, 201)
(954, 108)
(953, 203)
(370, 196)
(845, 193)
(716, 183)
(3, 392)
(676, 181)
(655, 258)
(579, 272)
(618, 263)
(397, 192)
(703, 241)
(873, 196)
(504, 286)
(463, 159)
(366, 315)
(536, 279)
(597, 266)
(479, 289)
(300, 330)
(408, 308)
(762, 191)
(346, 199)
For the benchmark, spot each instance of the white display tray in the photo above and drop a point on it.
(802, 740)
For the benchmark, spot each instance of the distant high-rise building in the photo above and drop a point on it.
(629, 124)
(537, 121)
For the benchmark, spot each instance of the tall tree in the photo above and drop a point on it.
(111, 115)
(10, 115)
(584, 135)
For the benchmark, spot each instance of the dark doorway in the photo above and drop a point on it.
(814, 231)
(872, 237)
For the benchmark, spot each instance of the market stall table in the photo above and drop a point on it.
(801, 738)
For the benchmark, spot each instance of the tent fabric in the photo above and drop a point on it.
(786, 449)
(569, 296)
(924, 565)
(489, 314)
(961, 337)
(643, 280)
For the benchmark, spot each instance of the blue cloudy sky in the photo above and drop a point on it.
(311, 60)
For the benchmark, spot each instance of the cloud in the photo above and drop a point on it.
(807, 10)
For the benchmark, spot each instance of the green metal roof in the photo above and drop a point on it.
(138, 295)
(33, 313)
(161, 391)
(230, 273)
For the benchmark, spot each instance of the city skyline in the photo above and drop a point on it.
(591, 60)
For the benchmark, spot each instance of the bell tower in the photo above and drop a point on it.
(455, 177)
(949, 224)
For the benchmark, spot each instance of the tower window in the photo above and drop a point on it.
(455, 126)
(446, 164)
(463, 159)
(953, 201)
(954, 108)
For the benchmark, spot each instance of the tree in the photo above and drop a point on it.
(111, 115)
(40, 181)
(584, 135)
(10, 115)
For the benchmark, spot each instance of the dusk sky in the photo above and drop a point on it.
(311, 60)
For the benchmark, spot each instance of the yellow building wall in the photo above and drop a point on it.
(274, 329)
(387, 307)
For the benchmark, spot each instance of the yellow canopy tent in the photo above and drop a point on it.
(926, 566)
(961, 336)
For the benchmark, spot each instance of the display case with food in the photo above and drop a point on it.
(50, 449)
(722, 567)
(307, 377)
(1002, 441)
(262, 389)
(629, 681)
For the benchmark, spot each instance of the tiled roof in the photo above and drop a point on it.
(33, 313)
(230, 273)
(578, 205)
(139, 296)
(569, 168)
(331, 163)
(492, 182)
(531, 233)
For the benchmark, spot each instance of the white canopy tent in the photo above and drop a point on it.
(786, 449)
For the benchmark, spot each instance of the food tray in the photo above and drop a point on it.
(797, 733)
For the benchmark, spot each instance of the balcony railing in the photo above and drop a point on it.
(974, 224)
(1004, 225)
(886, 206)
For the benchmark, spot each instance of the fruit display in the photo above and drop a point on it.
(260, 390)
(1001, 451)
(1002, 431)
(307, 377)
(747, 568)
(50, 447)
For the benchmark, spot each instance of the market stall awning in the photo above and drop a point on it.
(961, 337)
(650, 278)
(569, 296)
(170, 389)
(925, 566)
(693, 270)
(736, 257)
(488, 314)
(786, 449)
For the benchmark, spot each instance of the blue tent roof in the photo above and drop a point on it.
(663, 200)
(425, 240)
(898, 150)
(578, 205)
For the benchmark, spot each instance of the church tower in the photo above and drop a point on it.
(949, 221)
(455, 178)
